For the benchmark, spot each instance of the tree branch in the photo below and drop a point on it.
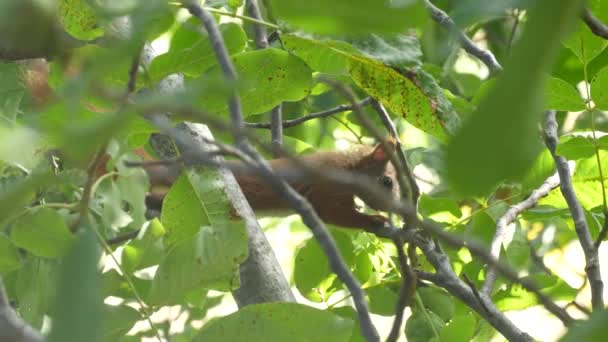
(509, 216)
(13, 328)
(467, 44)
(592, 267)
(276, 114)
(322, 114)
(595, 25)
(408, 287)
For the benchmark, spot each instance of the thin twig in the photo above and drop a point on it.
(322, 114)
(595, 25)
(468, 45)
(509, 216)
(83, 207)
(132, 81)
(223, 59)
(407, 290)
(242, 17)
(592, 267)
(261, 42)
(122, 238)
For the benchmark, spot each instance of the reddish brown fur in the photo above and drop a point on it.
(333, 202)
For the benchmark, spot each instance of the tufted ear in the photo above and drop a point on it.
(379, 154)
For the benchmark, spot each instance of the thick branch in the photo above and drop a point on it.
(12, 328)
(508, 217)
(467, 44)
(592, 267)
(595, 25)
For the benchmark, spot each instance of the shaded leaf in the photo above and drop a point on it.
(499, 141)
(42, 232)
(78, 293)
(278, 322)
(354, 17)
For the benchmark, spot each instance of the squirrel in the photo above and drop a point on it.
(334, 203)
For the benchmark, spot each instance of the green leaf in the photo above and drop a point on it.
(461, 328)
(42, 232)
(326, 56)
(397, 93)
(576, 148)
(603, 143)
(9, 257)
(585, 44)
(599, 89)
(312, 274)
(16, 196)
(207, 243)
(77, 311)
(518, 250)
(514, 297)
(350, 313)
(437, 301)
(591, 330)
(439, 209)
(543, 168)
(36, 287)
(12, 89)
(146, 250)
(266, 78)
(499, 141)
(481, 229)
(117, 321)
(561, 95)
(278, 322)
(79, 19)
(398, 51)
(423, 326)
(351, 17)
(382, 299)
(197, 57)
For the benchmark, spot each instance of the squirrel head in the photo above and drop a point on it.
(376, 164)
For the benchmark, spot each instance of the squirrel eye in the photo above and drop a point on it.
(387, 182)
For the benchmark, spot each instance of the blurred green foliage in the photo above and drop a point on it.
(473, 140)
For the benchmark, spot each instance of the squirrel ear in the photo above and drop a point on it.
(379, 153)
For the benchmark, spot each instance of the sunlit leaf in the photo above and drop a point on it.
(599, 89)
(207, 242)
(561, 95)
